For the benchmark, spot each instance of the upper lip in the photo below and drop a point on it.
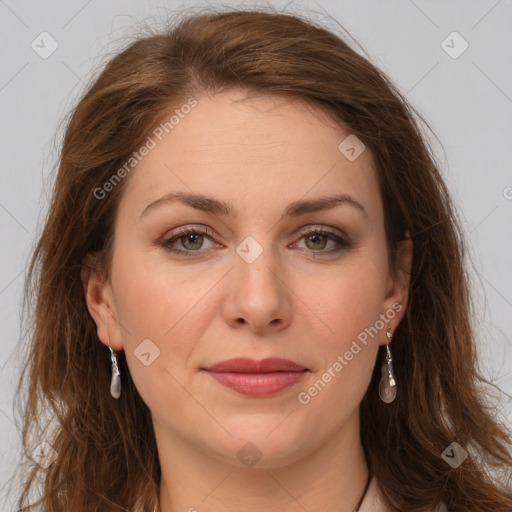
(247, 365)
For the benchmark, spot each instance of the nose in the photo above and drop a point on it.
(259, 298)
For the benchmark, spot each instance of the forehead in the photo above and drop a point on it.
(252, 152)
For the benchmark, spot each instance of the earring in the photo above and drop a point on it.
(387, 385)
(115, 382)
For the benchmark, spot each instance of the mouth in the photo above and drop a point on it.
(257, 378)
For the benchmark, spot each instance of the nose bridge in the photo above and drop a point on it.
(256, 264)
(260, 297)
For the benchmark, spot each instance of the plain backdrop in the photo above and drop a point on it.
(465, 96)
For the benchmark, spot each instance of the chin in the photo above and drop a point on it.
(257, 446)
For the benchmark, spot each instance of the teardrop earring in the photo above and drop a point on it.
(387, 385)
(115, 381)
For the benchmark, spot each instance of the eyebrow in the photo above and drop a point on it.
(215, 206)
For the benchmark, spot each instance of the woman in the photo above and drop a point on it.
(251, 291)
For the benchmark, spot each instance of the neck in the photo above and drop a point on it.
(332, 476)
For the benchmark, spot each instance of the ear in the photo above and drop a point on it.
(100, 303)
(398, 286)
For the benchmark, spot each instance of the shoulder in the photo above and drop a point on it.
(373, 501)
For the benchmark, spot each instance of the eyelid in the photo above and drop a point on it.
(315, 228)
(324, 230)
(195, 228)
(338, 236)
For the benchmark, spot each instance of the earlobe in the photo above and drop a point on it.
(98, 298)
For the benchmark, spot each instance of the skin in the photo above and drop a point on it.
(297, 300)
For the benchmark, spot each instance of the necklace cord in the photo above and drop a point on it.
(361, 499)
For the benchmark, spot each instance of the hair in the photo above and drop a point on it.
(105, 451)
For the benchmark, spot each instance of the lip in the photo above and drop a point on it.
(257, 378)
(248, 365)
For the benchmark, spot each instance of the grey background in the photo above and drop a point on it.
(467, 101)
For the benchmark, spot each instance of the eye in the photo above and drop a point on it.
(317, 239)
(189, 238)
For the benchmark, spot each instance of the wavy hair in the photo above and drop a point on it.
(105, 456)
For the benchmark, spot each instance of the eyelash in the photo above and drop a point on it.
(343, 243)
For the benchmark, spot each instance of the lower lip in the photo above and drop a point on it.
(258, 384)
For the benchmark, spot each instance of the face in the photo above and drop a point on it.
(255, 268)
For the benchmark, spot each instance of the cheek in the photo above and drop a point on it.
(156, 302)
(351, 299)
(351, 305)
(154, 297)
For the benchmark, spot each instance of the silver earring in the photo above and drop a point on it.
(115, 382)
(387, 385)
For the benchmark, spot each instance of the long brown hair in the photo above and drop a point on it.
(105, 455)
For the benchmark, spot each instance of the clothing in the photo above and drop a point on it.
(373, 501)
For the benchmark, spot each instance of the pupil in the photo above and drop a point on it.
(315, 239)
(191, 238)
